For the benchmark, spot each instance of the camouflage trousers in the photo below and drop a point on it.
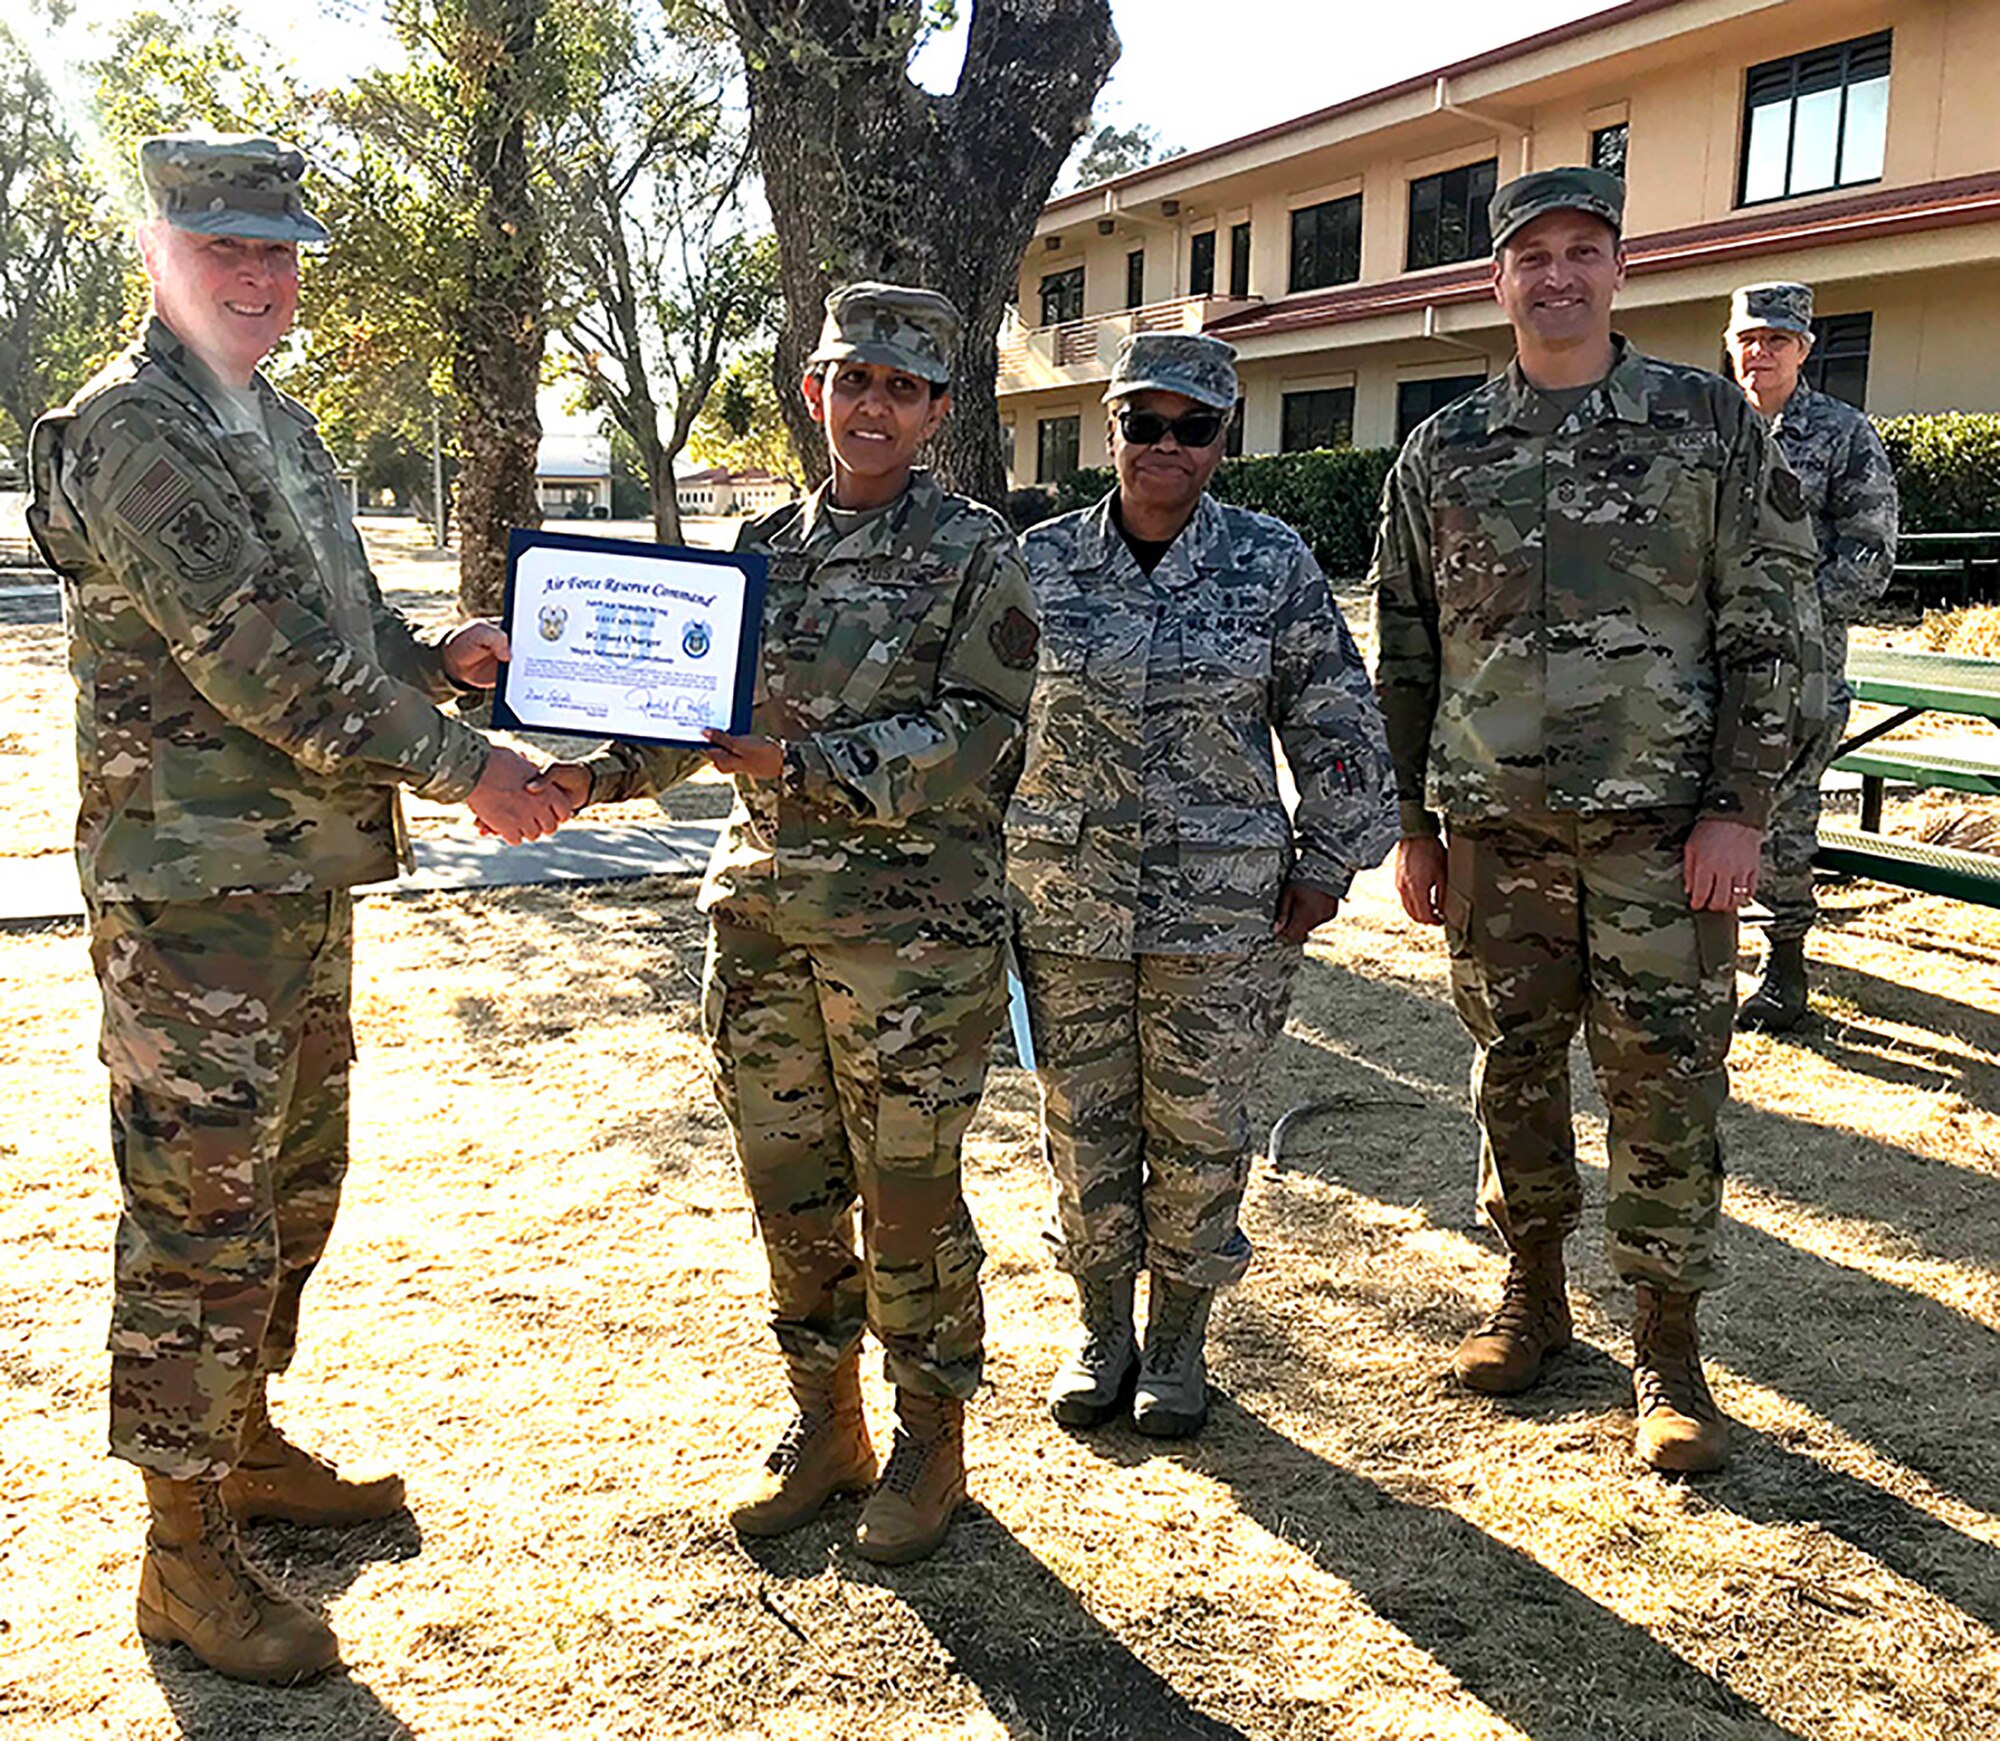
(849, 1073)
(226, 1033)
(1147, 1067)
(1560, 920)
(1786, 882)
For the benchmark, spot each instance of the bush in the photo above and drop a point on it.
(1948, 469)
(1329, 497)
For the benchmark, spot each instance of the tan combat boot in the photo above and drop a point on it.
(1505, 1354)
(823, 1451)
(921, 1486)
(1170, 1401)
(1096, 1381)
(275, 1478)
(197, 1589)
(1680, 1428)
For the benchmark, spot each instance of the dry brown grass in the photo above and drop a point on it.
(1973, 629)
(545, 1301)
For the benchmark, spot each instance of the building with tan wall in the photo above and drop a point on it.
(1853, 144)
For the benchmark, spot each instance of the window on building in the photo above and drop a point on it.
(1326, 244)
(1817, 120)
(1239, 260)
(1135, 278)
(1056, 440)
(1417, 400)
(1232, 445)
(1607, 147)
(1448, 216)
(1201, 264)
(1322, 418)
(1839, 360)
(1062, 297)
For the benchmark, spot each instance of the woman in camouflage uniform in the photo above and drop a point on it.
(857, 900)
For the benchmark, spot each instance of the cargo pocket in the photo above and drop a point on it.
(1715, 942)
(154, 1326)
(1458, 883)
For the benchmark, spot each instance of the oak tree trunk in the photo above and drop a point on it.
(869, 176)
(498, 330)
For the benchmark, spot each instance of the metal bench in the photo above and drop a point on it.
(1911, 864)
(1948, 567)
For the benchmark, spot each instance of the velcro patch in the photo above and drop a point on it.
(153, 500)
(201, 543)
(1788, 495)
(1015, 639)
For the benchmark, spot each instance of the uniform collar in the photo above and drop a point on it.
(1204, 543)
(171, 352)
(1800, 410)
(904, 527)
(1624, 396)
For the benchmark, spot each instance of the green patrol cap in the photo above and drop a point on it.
(1572, 189)
(1782, 307)
(897, 324)
(228, 184)
(1188, 363)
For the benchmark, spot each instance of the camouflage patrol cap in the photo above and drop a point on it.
(1188, 363)
(896, 324)
(1572, 189)
(1782, 307)
(228, 184)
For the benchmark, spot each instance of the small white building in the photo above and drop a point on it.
(719, 491)
(573, 477)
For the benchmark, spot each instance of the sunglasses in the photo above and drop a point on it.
(1190, 429)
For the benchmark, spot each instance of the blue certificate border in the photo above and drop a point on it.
(751, 564)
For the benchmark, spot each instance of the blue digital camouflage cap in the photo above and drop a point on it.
(1570, 189)
(228, 184)
(896, 324)
(1780, 306)
(1188, 363)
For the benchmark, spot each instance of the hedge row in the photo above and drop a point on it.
(1947, 463)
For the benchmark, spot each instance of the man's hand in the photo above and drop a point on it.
(1719, 864)
(755, 758)
(474, 653)
(570, 781)
(1420, 872)
(506, 807)
(1301, 910)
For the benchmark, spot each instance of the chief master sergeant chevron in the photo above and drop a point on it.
(1592, 577)
(247, 707)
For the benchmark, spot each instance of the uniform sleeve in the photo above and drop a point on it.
(1762, 593)
(622, 771)
(886, 769)
(164, 516)
(1327, 719)
(1863, 510)
(1408, 649)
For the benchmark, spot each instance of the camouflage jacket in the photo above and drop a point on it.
(1605, 610)
(1149, 818)
(1850, 491)
(245, 706)
(895, 664)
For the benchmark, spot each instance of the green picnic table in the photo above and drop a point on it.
(1915, 684)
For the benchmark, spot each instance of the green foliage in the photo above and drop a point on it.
(1947, 468)
(1111, 151)
(742, 426)
(1330, 497)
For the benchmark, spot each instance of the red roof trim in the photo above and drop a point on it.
(1937, 205)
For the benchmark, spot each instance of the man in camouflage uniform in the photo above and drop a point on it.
(1850, 495)
(1161, 892)
(1589, 577)
(854, 978)
(247, 707)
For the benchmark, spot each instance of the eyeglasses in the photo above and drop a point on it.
(1190, 429)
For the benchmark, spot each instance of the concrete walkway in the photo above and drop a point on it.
(40, 891)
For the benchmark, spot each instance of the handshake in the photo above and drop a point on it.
(519, 800)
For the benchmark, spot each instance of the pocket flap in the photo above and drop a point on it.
(1051, 819)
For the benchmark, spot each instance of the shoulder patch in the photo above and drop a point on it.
(201, 544)
(1787, 495)
(155, 498)
(1016, 639)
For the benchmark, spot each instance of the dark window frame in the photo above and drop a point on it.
(1860, 60)
(1622, 131)
(1451, 207)
(1135, 278)
(1201, 263)
(1239, 259)
(1303, 416)
(1058, 285)
(1326, 238)
(1428, 388)
(1842, 350)
(1043, 427)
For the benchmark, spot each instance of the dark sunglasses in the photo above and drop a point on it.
(1190, 429)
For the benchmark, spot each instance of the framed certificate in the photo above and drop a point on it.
(615, 639)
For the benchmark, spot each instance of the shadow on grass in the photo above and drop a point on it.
(1886, 1364)
(1046, 1667)
(316, 1565)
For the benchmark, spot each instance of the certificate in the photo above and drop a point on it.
(615, 639)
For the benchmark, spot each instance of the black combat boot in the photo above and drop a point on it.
(1779, 1004)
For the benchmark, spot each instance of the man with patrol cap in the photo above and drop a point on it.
(1590, 574)
(248, 706)
(1851, 500)
(1161, 892)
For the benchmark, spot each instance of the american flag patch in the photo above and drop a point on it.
(154, 499)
